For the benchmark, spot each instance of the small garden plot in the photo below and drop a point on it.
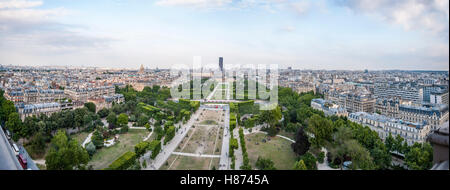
(202, 140)
(185, 140)
(275, 148)
(177, 162)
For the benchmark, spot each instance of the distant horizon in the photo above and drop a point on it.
(163, 68)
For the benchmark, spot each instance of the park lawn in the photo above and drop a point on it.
(277, 149)
(290, 135)
(80, 137)
(208, 122)
(106, 155)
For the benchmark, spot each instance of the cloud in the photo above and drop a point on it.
(19, 4)
(288, 28)
(26, 26)
(301, 7)
(194, 3)
(427, 15)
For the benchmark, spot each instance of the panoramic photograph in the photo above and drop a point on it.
(224, 85)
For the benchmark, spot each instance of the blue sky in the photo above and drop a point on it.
(304, 34)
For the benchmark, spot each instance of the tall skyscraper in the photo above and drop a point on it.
(221, 63)
(221, 68)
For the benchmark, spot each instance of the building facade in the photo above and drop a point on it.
(328, 107)
(411, 132)
(434, 115)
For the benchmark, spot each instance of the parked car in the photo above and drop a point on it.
(23, 161)
(8, 135)
(16, 148)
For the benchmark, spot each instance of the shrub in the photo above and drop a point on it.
(90, 148)
(233, 143)
(321, 157)
(155, 147)
(141, 148)
(310, 161)
(169, 134)
(123, 162)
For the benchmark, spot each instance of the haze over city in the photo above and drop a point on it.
(304, 34)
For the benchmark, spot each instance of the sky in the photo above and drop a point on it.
(302, 34)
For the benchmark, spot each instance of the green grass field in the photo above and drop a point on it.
(80, 137)
(208, 122)
(106, 155)
(277, 149)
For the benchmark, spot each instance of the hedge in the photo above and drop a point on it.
(170, 133)
(233, 143)
(232, 121)
(123, 162)
(155, 147)
(246, 161)
(141, 148)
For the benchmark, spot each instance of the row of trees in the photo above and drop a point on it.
(246, 162)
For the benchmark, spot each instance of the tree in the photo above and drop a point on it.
(91, 149)
(419, 157)
(141, 148)
(265, 164)
(112, 119)
(300, 165)
(389, 142)
(90, 106)
(169, 134)
(142, 120)
(155, 147)
(122, 120)
(37, 144)
(79, 117)
(7, 107)
(301, 145)
(381, 156)
(103, 113)
(97, 139)
(398, 144)
(360, 156)
(322, 129)
(65, 154)
(14, 124)
(309, 160)
(271, 116)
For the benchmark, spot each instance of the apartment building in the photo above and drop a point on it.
(411, 132)
(83, 94)
(403, 91)
(328, 107)
(352, 101)
(434, 115)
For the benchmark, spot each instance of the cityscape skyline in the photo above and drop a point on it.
(352, 35)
